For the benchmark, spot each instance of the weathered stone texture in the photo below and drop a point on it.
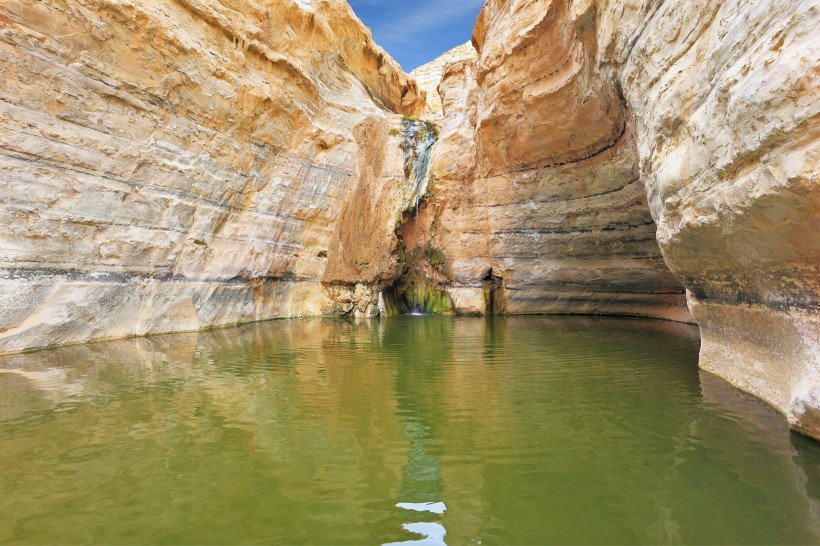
(725, 101)
(171, 166)
(428, 76)
(536, 176)
(590, 115)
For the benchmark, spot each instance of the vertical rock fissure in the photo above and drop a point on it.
(494, 298)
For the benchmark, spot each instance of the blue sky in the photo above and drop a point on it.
(415, 32)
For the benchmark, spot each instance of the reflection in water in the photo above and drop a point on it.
(433, 507)
(517, 430)
(416, 390)
(798, 461)
(433, 534)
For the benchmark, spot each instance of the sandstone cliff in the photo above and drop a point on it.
(171, 166)
(583, 121)
(429, 76)
(536, 178)
(725, 102)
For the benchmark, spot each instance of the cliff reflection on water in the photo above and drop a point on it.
(516, 430)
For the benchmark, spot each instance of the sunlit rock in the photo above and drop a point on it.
(173, 166)
(592, 136)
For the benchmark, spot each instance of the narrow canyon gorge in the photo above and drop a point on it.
(175, 166)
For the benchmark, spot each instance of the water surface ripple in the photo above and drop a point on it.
(433, 430)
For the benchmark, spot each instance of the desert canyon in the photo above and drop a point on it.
(175, 166)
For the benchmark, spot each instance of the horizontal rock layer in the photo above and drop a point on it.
(725, 103)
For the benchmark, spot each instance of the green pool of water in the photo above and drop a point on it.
(525, 430)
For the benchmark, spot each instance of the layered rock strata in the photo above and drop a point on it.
(172, 166)
(584, 121)
(536, 179)
(724, 97)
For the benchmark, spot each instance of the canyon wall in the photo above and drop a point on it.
(536, 178)
(587, 127)
(173, 166)
(725, 101)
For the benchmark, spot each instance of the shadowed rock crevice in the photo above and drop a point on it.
(495, 297)
(420, 286)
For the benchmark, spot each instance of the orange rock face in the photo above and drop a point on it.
(429, 76)
(536, 176)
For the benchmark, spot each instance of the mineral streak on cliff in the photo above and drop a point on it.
(373, 249)
(172, 166)
(419, 137)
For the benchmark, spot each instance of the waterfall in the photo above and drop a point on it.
(419, 137)
(414, 291)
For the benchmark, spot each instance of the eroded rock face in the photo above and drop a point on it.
(171, 166)
(724, 98)
(361, 249)
(429, 76)
(536, 177)
(583, 121)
